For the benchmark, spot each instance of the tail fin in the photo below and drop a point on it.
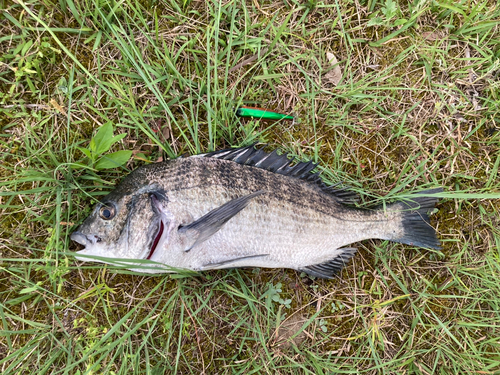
(415, 220)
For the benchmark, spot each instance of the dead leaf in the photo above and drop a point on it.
(433, 35)
(335, 75)
(165, 132)
(57, 106)
(249, 60)
(290, 327)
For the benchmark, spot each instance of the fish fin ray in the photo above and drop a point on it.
(227, 263)
(280, 164)
(327, 270)
(232, 153)
(203, 228)
(416, 222)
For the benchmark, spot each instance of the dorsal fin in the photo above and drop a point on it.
(276, 163)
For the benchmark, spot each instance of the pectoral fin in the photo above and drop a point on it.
(201, 229)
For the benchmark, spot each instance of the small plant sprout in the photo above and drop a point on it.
(100, 143)
(273, 294)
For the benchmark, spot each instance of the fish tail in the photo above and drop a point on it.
(417, 230)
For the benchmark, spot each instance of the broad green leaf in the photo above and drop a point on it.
(390, 9)
(118, 137)
(101, 142)
(28, 290)
(26, 47)
(86, 152)
(400, 22)
(113, 160)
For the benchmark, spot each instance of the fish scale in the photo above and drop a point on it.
(243, 208)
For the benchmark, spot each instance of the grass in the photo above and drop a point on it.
(417, 106)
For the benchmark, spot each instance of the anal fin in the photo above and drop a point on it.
(330, 268)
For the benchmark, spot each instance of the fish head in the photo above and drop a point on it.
(125, 226)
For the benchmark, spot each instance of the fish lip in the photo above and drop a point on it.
(79, 237)
(85, 239)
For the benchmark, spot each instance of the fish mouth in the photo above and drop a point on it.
(85, 239)
(79, 238)
(156, 240)
(89, 243)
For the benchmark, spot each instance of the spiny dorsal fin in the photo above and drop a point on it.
(276, 163)
(330, 268)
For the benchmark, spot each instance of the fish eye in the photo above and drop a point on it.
(107, 212)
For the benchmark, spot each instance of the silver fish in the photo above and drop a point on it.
(242, 208)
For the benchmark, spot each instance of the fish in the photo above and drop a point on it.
(243, 207)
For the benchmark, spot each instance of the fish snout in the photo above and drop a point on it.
(85, 239)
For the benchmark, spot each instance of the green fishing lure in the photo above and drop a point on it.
(261, 114)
